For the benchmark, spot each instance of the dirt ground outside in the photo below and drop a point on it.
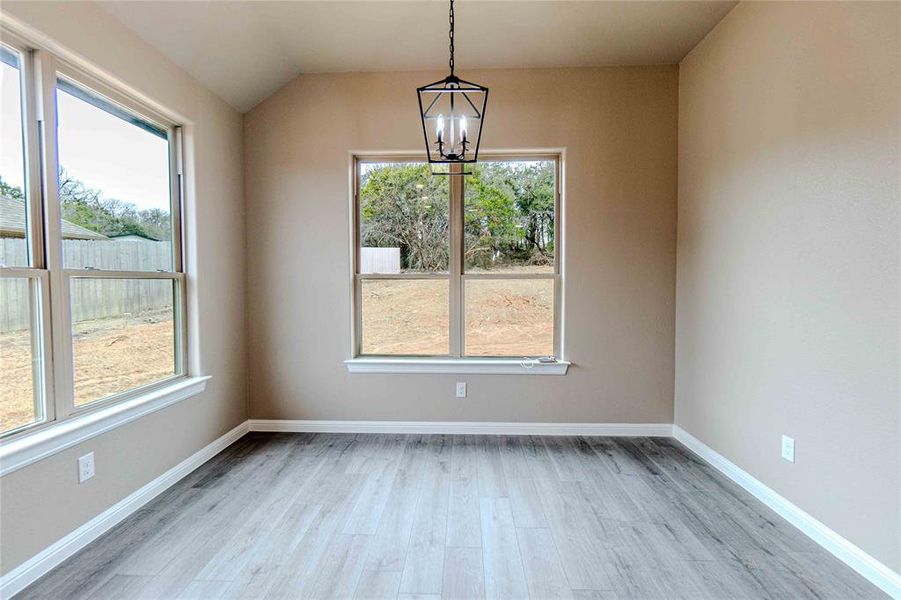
(503, 317)
(110, 356)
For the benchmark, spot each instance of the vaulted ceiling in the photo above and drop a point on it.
(246, 50)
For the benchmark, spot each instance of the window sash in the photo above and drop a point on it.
(96, 93)
(55, 408)
(42, 371)
(179, 328)
(456, 274)
(41, 70)
(34, 234)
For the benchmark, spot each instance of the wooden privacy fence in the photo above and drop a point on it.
(92, 298)
(384, 261)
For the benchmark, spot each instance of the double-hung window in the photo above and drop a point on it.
(92, 285)
(457, 269)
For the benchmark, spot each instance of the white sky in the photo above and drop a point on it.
(10, 126)
(102, 150)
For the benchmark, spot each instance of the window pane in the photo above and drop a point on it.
(509, 317)
(20, 354)
(123, 334)
(14, 232)
(405, 317)
(509, 217)
(113, 186)
(403, 219)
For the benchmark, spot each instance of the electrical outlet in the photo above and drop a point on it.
(461, 389)
(788, 448)
(85, 467)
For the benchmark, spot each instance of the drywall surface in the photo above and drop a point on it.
(43, 502)
(618, 127)
(788, 257)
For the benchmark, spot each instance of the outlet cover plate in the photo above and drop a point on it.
(788, 448)
(85, 467)
(461, 389)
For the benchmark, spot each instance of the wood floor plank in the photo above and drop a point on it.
(613, 457)
(338, 576)
(424, 564)
(541, 563)
(380, 467)
(204, 590)
(581, 540)
(463, 519)
(564, 460)
(524, 500)
(296, 516)
(333, 490)
(491, 472)
(392, 537)
(187, 555)
(378, 585)
(824, 574)
(220, 502)
(612, 499)
(464, 575)
(298, 575)
(119, 586)
(284, 503)
(595, 595)
(504, 576)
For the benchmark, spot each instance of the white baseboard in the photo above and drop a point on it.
(463, 427)
(877, 573)
(40, 564)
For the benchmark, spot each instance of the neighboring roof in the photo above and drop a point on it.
(132, 236)
(12, 222)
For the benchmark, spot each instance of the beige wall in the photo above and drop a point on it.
(43, 502)
(788, 266)
(618, 126)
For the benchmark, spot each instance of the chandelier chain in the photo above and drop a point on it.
(450, 62)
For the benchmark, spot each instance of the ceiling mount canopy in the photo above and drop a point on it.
(452, 112)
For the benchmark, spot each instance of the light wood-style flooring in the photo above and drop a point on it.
(453, 516)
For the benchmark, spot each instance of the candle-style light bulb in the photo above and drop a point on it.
(439, 129)
(450, 137)
(463, 128)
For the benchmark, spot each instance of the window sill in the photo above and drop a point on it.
(474, 366)
(30, 448)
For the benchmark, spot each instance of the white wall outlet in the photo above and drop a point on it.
(85, 467)
(788, 448)
(461, 389)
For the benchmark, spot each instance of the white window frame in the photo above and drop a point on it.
(456, 361)
(62, 422)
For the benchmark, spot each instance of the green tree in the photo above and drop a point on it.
(490, 215)
(11, 191)
(156, 223)
(508, 214)
(87, 207)
(404, 206)
(534, 191)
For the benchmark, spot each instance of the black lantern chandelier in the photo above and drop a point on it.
(452, 112)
